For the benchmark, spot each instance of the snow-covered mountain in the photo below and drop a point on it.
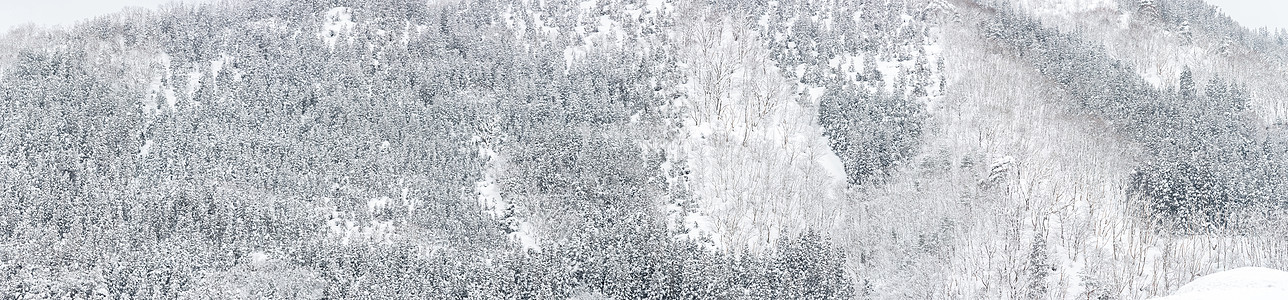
(888, 149)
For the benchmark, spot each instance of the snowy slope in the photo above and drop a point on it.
(1249, 283)
(1005, 165)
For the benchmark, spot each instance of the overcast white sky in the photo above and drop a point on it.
(1249, 13)
(1256, 13)
(61, 12)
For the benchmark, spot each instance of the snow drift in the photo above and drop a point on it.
(1249, 283)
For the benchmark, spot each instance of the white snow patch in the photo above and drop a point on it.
(539, 23)
(700, 226)
(508, 16)
(405, 39)
(150, 100)
(167, 86)
(336, 22)
(145, 148)
(489, 198)
(815, 93)
(833, 165)
(607, 32)
(194, 83)
(934, 49)
(378, 232)
(890, 72)
(525, 236)
(657, 6)
(410, 202)
(487, 189)
(217, 64)
(258, 257)
(347, 229)
(170, 99)
(270, 24)
(377, 205)
(161, 87)
(586, 5)
(1249, 283)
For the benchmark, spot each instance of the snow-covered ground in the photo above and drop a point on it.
(1248, 283)
(496, 206)
(337, 21)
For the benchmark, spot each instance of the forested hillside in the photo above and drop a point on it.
(658, 149)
